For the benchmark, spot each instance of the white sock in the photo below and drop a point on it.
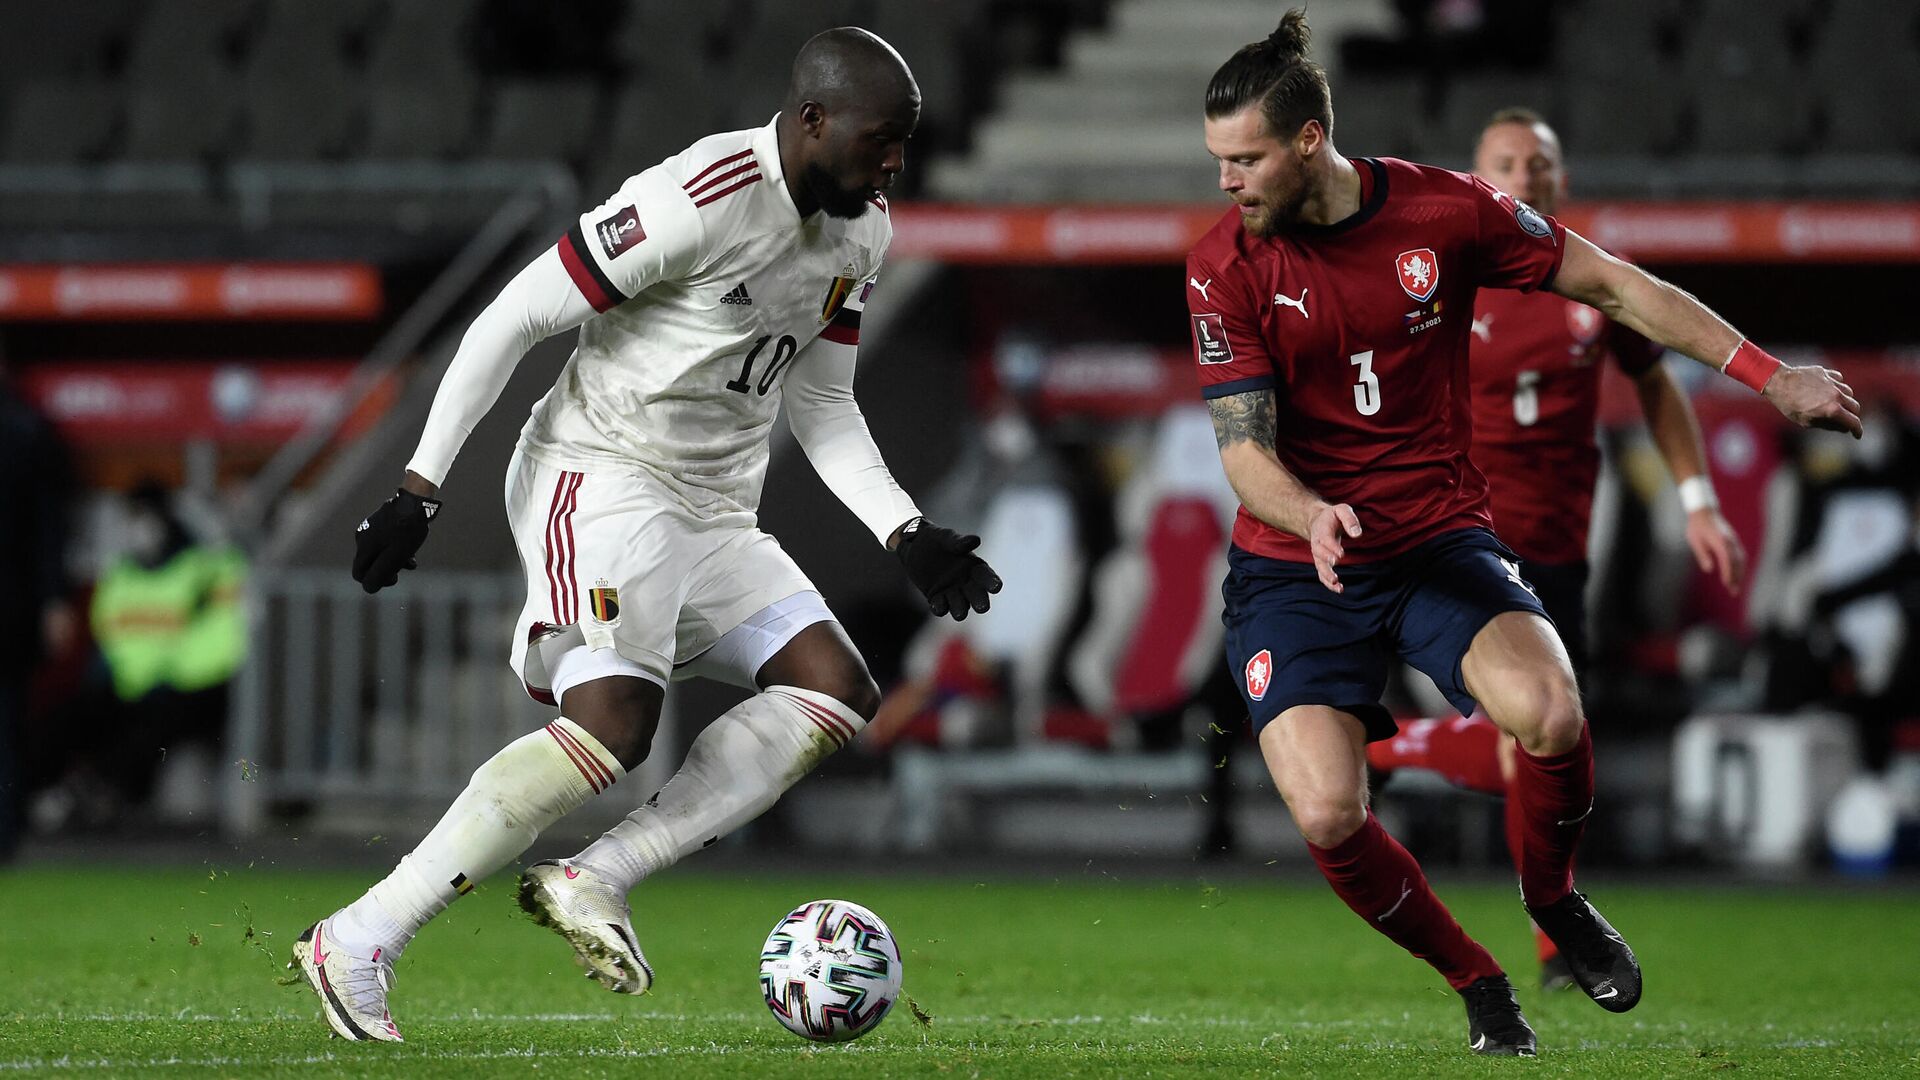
(736, 769)
(532, 783)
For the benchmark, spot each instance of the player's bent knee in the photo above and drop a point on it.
(858, 692)
(1560, 731)
(621, 711)
(848, 683)
(821, 659)
(1550, 719)
(1326, 822)
(861, 694)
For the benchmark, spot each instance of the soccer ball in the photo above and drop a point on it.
(830, 971)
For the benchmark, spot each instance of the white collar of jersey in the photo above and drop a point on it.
(766, 147)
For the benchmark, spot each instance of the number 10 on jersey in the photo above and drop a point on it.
(782, 356)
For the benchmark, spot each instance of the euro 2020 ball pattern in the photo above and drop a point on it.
(830, 971)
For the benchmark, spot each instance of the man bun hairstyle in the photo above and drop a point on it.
(1278, 74)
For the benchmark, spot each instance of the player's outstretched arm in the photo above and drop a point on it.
(1243, 425)
(831, 429)
(539, 302)
(828, 425)
(1808, 395)
(1676, 432)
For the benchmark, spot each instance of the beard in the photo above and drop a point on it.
(1278, 214)
(835, 200)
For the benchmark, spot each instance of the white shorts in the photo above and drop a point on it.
(624, 578)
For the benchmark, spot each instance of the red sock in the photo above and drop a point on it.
(1463, 749)
(1383, 884)
(1516, 836)
(1554, 794)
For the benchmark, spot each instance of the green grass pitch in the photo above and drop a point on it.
(173, 973)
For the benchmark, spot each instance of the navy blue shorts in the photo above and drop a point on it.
(1291, 641)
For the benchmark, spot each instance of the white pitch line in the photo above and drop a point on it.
(1078, 1020)
(713, 1049)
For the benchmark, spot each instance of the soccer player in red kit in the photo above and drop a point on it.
(1536, 366)
(1330, 312)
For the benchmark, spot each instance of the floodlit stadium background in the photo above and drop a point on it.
(239, 240)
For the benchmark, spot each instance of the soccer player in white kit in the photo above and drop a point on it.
(710, 288)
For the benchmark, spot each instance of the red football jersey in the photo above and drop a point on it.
(1537, 360)
(1360, 329)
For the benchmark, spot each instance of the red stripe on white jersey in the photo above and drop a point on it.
(574, 756)
(569, 592)
(721, 178)
(566, 496)
(703, 173)
(726, 191)
(553, 517)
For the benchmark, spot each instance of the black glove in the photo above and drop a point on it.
(387, 539)
(942, 565)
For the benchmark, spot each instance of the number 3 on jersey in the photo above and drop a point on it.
(782, 356)
(1366, 392)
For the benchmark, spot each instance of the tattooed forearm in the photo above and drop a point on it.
(1247, 417)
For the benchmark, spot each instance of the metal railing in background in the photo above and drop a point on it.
(547, 193)
(385, 702)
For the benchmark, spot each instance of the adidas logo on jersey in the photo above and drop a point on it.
(738, 295)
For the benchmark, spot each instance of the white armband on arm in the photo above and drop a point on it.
(829, 426)
(539, 302)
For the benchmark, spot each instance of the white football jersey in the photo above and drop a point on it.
(708, 288)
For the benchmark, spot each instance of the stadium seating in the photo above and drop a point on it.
(60, 121)
(551, 121)
(1686, 83)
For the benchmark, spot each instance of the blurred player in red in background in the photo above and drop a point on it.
(1330, 312)
(1537, 361)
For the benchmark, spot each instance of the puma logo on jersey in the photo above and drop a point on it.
(1513, 574)
(1406, 890)
(738, 296)
(1283, 300)
(1201, 288)
(1483, 328)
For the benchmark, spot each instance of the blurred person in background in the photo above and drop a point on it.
(711, 289)
(37, 618)
(169, 618)
(1363, 538)
(1858, 567)
(1537, 361)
